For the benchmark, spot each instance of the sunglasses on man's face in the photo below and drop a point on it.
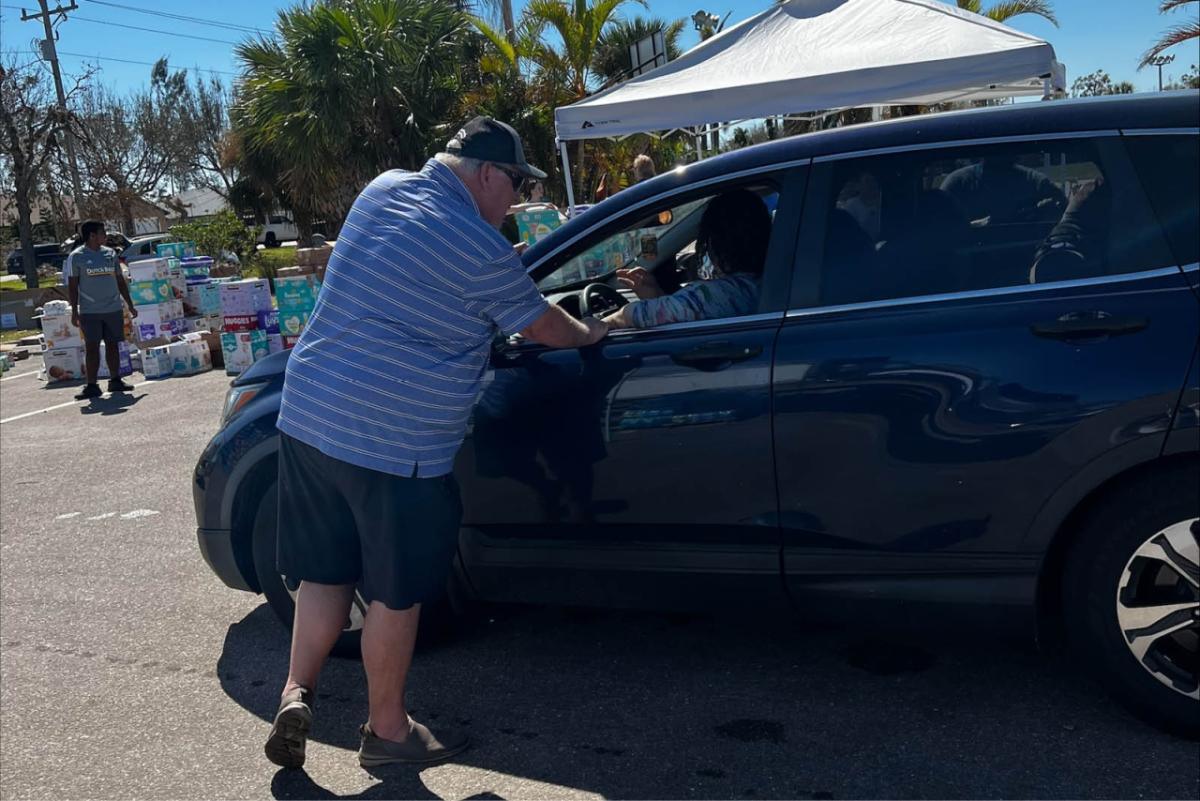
(518, 180)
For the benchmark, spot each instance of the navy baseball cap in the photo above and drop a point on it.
(486, 139)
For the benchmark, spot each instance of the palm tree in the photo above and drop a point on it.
(611, 63)
(1007, 9)
(346, 90)
(1173, 36)
(564, 59)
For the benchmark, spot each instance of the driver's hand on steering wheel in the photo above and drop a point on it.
(641, 281)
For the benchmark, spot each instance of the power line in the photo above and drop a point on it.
(182, 17)
(123, 61)
(143, 63)
(152, 30)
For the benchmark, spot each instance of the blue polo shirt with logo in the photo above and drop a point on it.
(97, 274)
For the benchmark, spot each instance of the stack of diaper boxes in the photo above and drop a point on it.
(296, 297)
(157, 289)
(64, 355)
(246, 314)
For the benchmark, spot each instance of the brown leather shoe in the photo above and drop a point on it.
(421, 746)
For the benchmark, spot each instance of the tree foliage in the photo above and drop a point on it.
(1099, 83)
(224, 232)
(345, 90)
(128, 146)
(1177, 34)
(1007, 9)
(32, 125)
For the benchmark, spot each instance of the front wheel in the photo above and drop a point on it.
(1132, 597)
(438, 619)
(271, 241)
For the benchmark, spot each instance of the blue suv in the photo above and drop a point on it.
(972, 379)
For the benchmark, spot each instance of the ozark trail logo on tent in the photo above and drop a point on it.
(586, 125)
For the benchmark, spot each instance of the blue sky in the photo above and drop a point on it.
(1093, 34)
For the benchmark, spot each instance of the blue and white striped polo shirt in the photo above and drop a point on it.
(389, 367)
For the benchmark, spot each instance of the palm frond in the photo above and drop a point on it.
(1007, 9)
(498, 39)
(1173, 36)
(1171, 5)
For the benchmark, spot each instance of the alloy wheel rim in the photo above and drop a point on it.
(1158, 606)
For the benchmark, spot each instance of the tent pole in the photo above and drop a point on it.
(567, 178)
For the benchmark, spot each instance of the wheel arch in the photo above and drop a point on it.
(1048, 596)
(255, 472)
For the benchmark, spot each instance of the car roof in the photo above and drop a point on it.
(1158, 110)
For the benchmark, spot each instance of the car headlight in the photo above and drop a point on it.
(237, 398)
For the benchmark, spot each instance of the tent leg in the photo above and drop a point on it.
(876, 113)
(567, 178)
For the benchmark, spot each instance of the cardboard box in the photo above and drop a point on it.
(156, 362)
(289, 342)
(176, 250)
(202, 299)
(167, 329)
(244, 297)
(213, 340)
(178, 287)
(274, 342)
(240, 322)
(195, 269)
(242, 349)
(200, 324)
(59, 332)
(293, 272)
(313, 257)
(125, 362)
(298, 292)
(63, 364)
(269, 321)
(149, 269)
(292, 323)
(148, 293)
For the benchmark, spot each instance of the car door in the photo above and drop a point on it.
(634, 470)
(1005, 315)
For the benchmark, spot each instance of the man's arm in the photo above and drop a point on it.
(73, 294)
(558, 329)
(123, 288)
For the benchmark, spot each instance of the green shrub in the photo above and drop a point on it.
(225, 231)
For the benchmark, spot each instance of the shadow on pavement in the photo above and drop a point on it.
(116, 403)
(644, 705)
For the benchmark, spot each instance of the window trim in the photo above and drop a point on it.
(974, 294)
(1160, 132)
(951, 143)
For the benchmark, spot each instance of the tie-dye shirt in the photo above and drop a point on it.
(729, 296)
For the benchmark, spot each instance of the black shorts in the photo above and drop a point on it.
(342, 524)
(107, 327)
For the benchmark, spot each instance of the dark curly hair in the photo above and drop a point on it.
(734, 231)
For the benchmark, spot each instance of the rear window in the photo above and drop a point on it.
(1168, 166)
(982, 217)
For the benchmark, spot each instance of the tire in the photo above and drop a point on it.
(438, 619)
(1131, 603)
(271, 241)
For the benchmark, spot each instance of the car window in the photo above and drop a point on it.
(982, 217)
(1168, 166)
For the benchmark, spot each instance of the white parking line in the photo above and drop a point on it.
(22, 375)
(60, 406)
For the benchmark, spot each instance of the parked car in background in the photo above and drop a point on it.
(143, 247)
(45, 254)
(279, 229)
(972, 382)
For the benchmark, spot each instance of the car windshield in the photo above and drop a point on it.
(616, 250)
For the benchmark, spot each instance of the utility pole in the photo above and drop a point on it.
(50, 53)
(1160, 62)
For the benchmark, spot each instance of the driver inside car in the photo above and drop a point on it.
(732, 241)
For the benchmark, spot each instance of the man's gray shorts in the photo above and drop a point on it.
(107, 327)
(339, 523)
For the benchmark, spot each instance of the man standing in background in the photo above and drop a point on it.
(96, 288)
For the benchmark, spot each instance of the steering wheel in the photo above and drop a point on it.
(598, 299)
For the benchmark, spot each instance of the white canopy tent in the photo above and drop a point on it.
(801, 55)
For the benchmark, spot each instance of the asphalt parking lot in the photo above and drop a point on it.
(129, 671)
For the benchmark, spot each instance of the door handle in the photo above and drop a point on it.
(717, 353)
(1089, 325)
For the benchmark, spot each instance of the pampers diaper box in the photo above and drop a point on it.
(57, 328)
(156, 362)
(242, 349)
(125, 362)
